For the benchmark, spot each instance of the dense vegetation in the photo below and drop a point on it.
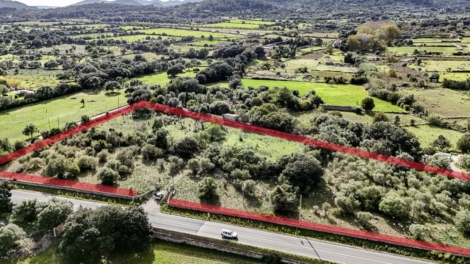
(374, 75)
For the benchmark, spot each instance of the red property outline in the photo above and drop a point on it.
(255, 129)
(319, 227)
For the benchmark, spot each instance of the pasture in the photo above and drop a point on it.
(441, 101)
(48, 114)
(183, 32)
(427, 134)
(340, 94)
(410, 50)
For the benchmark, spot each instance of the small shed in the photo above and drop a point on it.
(230, 117)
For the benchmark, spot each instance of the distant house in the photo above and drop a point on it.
(372, 58)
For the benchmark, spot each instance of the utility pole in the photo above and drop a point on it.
(300, 213)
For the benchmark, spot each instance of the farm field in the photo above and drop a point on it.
(340, 94)
(427, 134)
(442, 67)
(64, 109)
(183, 32)
(33, 79)
(409, 50)
(442, 101)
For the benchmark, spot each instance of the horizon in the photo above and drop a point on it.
(58, 3)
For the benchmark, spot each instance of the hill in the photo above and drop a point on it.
(156, 3)
(14, 4)
(117, 2)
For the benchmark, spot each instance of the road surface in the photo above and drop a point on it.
(296, 245)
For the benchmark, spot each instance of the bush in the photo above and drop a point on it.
(418, 231)
(9, 236)
(380, 117)
(151, 152)
(464, 161)
(463, 222)
(19, 144)
(207, 188)
(219, 108)
(394, 205)
(103, 155)
(186, 147)
(86, 163)
(107, 176)
(26, 211)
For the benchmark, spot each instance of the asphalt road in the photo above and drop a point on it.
(296, 245)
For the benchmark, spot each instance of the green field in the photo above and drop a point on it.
(345, 94)
(133, 38)
(410, 50)
(33, 79)
(64, 109)
(427, 134)
(160, 252)
(442, 66)
(162, 78)
(183, 32)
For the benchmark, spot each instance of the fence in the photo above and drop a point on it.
(54, 183)
(319, 227)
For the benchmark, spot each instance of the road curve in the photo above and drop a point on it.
(296, 245)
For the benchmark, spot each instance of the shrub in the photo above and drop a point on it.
(207, 188)
(186, 147)
(219, 108)
(86, 163)
(9, 236)
(380, 117)
(103, 155)
(107, 176)
(19, 144)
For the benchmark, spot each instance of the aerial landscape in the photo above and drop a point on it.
(235, 131)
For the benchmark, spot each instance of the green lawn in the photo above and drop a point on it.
(160, 252)
(345, 94)
(65, 109)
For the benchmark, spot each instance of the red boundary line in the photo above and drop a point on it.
(255, 129)
(59, 137)
(319, 227)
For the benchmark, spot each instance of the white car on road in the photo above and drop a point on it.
(229, 234)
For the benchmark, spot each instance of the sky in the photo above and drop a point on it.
(51, 2)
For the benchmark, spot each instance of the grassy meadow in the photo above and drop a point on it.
(338, 94)
(64, 109)
(441, 101)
